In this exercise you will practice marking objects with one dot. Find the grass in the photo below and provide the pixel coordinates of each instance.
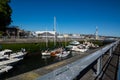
(31, 47)
(34, 47)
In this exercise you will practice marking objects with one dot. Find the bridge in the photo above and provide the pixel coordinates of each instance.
(99, 64)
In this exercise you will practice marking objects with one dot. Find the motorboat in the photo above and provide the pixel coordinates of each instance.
(10, 61)
(2, 57)
(7, 53)
(5, 68)
(3, 52)
(76, 46)
(74, 43)
(17, 55)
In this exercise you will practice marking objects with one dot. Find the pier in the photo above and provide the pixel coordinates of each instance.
(98, 64)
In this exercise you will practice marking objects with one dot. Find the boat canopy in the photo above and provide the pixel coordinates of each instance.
(74, 43)
(5, 51)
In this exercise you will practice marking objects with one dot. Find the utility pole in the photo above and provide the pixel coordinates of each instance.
(96, 33)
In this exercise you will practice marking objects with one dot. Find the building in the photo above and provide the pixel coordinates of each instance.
(44, 34)
(12, 31)
(15, 31)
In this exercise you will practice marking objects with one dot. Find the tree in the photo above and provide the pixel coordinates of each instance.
(5, 14)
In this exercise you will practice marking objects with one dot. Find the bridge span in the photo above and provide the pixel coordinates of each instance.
(92, 65)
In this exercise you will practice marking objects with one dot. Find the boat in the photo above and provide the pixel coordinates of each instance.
(2, 57)
(60, 52)
(7, 53)
(52, 52)
(76, 46)
(3, 52)
(46, 53)
(63, 54)
(56, 51)
(17, 55)
(5, 68)
(10, 61)
(74, 43)
(80, 49)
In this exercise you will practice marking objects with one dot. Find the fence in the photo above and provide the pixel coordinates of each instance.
(70, 71)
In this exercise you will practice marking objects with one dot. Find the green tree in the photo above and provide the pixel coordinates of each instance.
(5, 14)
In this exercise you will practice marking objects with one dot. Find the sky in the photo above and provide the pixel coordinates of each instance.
(72, 16)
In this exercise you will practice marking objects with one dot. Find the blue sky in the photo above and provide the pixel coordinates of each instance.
(73, 16)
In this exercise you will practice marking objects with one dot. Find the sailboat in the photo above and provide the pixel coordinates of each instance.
(48, 52)
(60, 52)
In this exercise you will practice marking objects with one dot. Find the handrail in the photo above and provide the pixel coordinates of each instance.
(70, 71)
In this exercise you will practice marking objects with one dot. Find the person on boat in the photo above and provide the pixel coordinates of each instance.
(9, 54)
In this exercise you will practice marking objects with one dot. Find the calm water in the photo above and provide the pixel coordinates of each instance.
(30, 62)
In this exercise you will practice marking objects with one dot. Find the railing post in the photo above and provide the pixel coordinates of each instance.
(99, 65)
(114, 47)
(110, 52)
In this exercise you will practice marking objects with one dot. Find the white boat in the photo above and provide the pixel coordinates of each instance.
(63, 54)
(46, 53)
(17, 55)
(52, 52)
(56, 51)
(11, 61)
(2, 57)
(3, 52)
(74, 43)
(7, 53)
(5, 69)
(76, 48)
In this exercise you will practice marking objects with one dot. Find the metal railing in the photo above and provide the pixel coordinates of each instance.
(70, 71)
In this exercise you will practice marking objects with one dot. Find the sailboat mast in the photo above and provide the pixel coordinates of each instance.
(55, 31)
(46, 38)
